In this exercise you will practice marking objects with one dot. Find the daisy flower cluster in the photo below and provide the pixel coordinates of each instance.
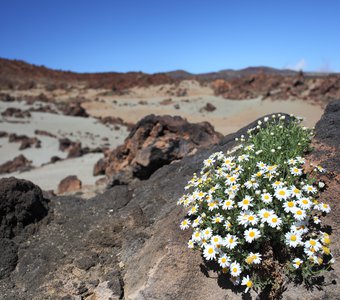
(256, 195)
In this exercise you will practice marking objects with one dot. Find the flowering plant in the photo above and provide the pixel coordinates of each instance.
(255, 212)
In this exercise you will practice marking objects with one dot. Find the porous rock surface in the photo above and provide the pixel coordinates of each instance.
(156, 141)
(126, 243)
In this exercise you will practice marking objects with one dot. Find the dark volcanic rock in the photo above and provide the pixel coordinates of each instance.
(9, 256)
(156, 141)
(21, 203)
(19, 163)
(6, 97)
(3, 134)
(69, 184)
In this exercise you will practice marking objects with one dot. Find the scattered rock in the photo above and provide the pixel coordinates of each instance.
(156, 141)
(69, 184)
(100, 167)
(208, 107)
(16, 113)
(3, 134)
(19, 163)
(6, 97)
(74, 109)
(26, 142)
(44, 133)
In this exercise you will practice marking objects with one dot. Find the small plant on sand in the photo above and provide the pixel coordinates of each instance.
(254, 211)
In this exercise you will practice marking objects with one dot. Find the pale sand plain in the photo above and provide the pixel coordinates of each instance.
(228, 117)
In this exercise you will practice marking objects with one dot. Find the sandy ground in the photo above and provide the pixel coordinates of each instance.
(229, 116)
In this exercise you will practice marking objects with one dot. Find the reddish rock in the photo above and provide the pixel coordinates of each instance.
(156, 141)
(69, 184)
(100, 167)
(74, 109)
(19, 163)
(26, 142)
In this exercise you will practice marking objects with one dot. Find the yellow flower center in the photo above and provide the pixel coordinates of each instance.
(245, 202)
(235, 270)
(299, 212)
(296, 191)
(274, 220)
(298, 262)
(290, 204)
(266, 214)
(211, 251)
(326, 250)
(305, 201)
(282, 193)
(251, 218)
(231, 241)
(249, 284)
(327, 240)
(223, 260)
(293, 238)
(251, 233)
(266, 197)
(312, 242)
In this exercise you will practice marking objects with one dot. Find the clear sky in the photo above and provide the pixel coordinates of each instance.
(160, 35)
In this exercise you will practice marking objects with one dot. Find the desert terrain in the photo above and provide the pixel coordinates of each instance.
(95, 112)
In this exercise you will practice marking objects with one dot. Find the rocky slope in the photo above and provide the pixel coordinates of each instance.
(126, 242)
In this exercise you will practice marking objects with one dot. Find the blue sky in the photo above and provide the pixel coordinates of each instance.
(155, 36)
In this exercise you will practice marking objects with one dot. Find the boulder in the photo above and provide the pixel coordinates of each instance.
(19, 163)
(69, 184)
(15, 113)
(156, 141)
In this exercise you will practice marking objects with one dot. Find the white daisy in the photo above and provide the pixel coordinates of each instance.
(212, 205)
(224, 261)
(243, 157)
(291, 161)
(277, 184)
(265, 214)
(196, 222)
(209, 252)
(253, 258)
(300, 227)
(294, 191)
(216, 240)
(235, 269)
(313, 243)
(299, 214)
(245, 203)
(191, 244)
(309, 189)
(252, 234)
(266, 198)
(293, 239)
(274, 221)
(296, 171)
(196, 236)
(228, 204)
(261, 165)
(217, 219)
(230, 241)
(185, 224)
(247, 282)
(305, 203)
(289, 206)
(251, 184)
(193, 210)
(297, 263)
(282, 193)
(324, 207)
(207, 233)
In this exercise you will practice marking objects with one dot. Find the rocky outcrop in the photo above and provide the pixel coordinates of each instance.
(156, 141)
(74, 109)
(19, 163)
(279, 87)
(126, 243)
(69, 184)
